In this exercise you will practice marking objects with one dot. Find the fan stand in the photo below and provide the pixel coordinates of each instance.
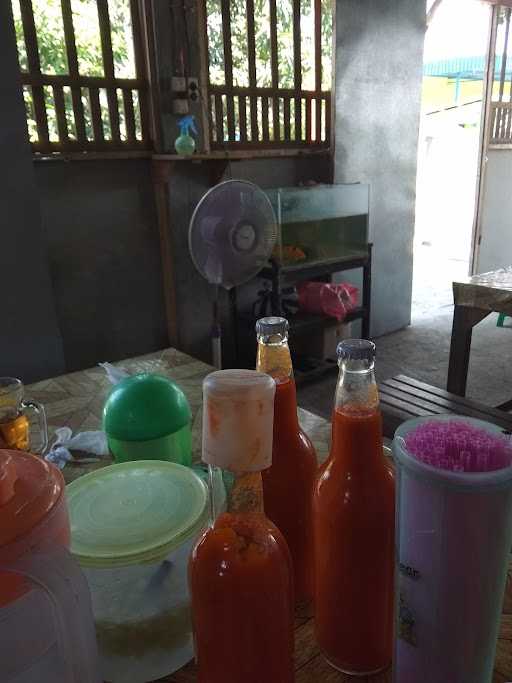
(216, 331)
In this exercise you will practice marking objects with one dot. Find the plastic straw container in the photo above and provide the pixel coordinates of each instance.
(453, 536)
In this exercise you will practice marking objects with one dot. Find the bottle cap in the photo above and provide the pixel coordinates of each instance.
(267, 327)
(360, 351)
(238, 420)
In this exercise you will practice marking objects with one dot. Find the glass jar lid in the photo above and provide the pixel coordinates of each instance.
(134, 513)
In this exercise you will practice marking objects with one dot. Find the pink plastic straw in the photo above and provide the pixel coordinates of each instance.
(457, 446)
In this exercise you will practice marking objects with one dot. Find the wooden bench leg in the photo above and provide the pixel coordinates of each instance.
(367, 295)
(464, 319)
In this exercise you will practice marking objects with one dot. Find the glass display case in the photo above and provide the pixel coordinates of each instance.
(320, 224)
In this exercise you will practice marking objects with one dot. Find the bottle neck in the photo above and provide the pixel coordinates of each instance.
(274, 358)
(356, 391)
(357, 422)
(237, 493)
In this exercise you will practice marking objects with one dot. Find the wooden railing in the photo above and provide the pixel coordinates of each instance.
(92, 113)
(501, 123)
(274, 116)
(247, 117)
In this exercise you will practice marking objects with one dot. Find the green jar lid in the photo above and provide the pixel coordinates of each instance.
(144, 407)
(134, 512)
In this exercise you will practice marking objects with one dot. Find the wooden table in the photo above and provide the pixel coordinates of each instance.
(76, 400)
(474, 298)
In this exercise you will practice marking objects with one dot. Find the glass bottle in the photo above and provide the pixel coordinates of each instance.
(353, 521)
(288, 483)
(240, 570)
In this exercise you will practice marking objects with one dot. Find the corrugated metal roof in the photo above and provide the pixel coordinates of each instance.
(464, 67)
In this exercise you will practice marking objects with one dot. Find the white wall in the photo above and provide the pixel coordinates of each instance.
(496, 221)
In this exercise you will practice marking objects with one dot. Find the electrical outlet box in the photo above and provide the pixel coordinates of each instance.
(180, 107)
(179, 84)
(193, 89)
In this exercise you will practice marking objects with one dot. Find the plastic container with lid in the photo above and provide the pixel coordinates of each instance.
(133, 526)
(147, 417)
(46, 625)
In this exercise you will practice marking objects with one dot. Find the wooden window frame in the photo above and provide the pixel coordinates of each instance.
(272, 101)
(89, 86)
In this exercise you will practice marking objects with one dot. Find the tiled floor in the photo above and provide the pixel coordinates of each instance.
(421, 350)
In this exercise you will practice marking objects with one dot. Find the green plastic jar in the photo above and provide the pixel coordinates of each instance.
(148, 417)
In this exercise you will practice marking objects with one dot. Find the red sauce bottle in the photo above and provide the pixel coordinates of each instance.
(288, 483)
(240, 570)
(353, 512)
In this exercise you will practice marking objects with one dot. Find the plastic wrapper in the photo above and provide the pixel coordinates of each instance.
(334, 300)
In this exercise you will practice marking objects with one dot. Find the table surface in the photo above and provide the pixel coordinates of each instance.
(490, 291)
(76, 401)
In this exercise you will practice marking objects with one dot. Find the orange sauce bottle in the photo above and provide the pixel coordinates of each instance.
(288, 483)
(240, 570)
(353, 512)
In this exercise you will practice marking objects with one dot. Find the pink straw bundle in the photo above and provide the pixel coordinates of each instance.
(459, 447)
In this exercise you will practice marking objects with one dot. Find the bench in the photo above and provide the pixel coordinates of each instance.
(403, 398)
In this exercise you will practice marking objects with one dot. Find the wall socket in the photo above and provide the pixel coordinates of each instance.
(193, 89)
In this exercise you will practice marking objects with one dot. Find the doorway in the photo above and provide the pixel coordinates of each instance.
(448, 151)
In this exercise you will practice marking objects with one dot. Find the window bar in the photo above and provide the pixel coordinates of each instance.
(242, 116)
(274, 68)
(507, 123)
(264, 119)
(297, 67)
(309, 105)
(69, 37)
(504, 56)
(286, 115)
(251, 58)
(493, 122)
(34, 67)
(97, 124)
(499, 114)
(228, 69)
(129, 115)
(60, 112)
(219, 118)
(108, 67)
(327, 114)
(140, 68)
(504, 117)
(318, 69)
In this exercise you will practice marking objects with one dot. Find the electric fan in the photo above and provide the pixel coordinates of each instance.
(231, 236)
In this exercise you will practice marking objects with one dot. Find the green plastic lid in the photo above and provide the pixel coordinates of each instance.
(144, 407)
(134, 513)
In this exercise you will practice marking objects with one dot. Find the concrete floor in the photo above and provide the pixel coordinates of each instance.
(421, 350)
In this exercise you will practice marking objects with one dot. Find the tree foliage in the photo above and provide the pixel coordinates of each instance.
(263, 48)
